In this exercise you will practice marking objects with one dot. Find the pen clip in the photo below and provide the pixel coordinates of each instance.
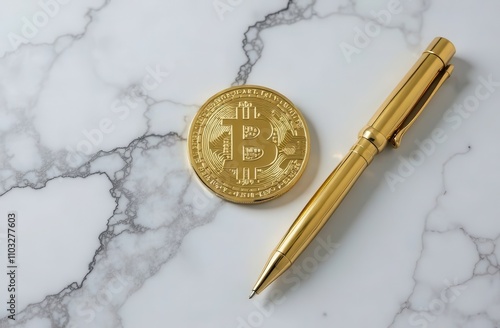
(423, 101)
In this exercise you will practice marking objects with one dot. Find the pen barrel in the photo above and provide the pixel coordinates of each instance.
(392, 120)
(398, 106)
(326, 200)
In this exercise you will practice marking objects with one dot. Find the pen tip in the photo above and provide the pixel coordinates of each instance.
(252, 294)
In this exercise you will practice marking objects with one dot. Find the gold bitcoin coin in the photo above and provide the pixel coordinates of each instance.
(248, 144)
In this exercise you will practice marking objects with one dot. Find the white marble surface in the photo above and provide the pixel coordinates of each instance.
(115, 231)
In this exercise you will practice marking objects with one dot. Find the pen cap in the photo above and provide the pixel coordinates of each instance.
(442, 48)
(406, 102)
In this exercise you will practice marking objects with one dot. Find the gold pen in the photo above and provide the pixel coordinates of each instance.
(389, 124)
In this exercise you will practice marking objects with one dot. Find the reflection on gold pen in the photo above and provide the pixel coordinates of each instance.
(388, 125)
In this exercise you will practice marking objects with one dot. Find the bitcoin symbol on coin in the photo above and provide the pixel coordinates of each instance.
(251, 145)
(248, 144)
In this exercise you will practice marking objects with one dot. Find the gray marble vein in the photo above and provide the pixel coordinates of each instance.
(123, 268)
(148, 174)
(300, 10)
(418, 315)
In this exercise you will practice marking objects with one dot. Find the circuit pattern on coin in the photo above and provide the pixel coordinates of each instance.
(248, 144)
